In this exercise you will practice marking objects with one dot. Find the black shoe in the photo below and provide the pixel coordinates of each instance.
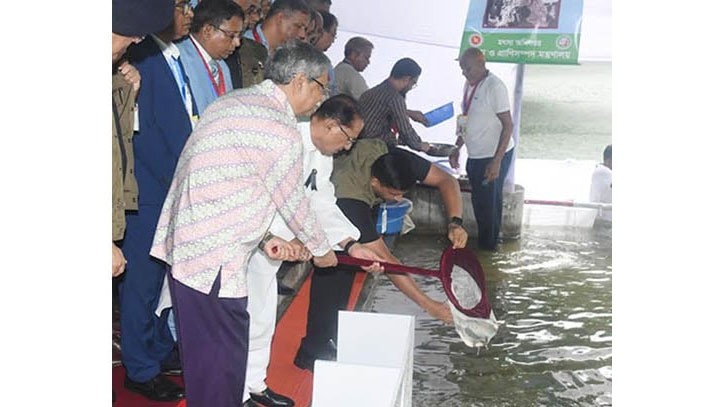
(284, 290)
(305, 360)
(268, 398)
(250, 403)
(158, 389)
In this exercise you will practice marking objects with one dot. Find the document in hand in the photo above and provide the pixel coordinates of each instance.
(440, 114)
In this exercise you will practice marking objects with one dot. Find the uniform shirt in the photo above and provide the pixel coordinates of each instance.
(483, 127)
(242, 163)
(351, 173)
(124, 187)
(351, 176)
(321, 193)
(384, 107)
(349, 81)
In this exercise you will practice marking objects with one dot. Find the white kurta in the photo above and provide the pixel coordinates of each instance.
(262, 271)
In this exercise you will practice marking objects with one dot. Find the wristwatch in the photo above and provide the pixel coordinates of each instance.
(348, 245)
(455, 220)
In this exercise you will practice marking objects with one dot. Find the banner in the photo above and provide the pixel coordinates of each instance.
(525, 31)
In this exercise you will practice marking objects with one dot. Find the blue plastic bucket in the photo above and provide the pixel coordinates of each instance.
(390, 217)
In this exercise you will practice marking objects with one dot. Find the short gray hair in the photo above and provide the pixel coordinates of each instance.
(295, 57)
(357, 44)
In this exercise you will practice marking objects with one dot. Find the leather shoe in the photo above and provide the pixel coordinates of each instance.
(268, 398)
(250, 403)
(158, 389)
(306, 360)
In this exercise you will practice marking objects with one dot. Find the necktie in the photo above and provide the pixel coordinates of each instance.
(215, 70)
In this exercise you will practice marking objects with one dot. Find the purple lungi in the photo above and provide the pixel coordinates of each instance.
(213, 336)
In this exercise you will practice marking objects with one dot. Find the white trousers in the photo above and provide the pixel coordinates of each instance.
(262, 308)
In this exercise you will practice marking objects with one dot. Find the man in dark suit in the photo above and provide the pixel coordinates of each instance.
(166, 113)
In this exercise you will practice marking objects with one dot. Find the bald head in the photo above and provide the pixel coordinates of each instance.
(473, 65)
(473, 54)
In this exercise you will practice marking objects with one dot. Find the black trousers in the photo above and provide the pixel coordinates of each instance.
(329, 292)
(487, 199)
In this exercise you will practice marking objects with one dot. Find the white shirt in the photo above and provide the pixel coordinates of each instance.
(336, 225)
(348, 81)
(209, 60)
(601, 189)
(483, 127)
(171, 54)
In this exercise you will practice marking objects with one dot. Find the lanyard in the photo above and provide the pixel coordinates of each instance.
(219, 89)
(468, 99)
(178, 72)
(180, 80)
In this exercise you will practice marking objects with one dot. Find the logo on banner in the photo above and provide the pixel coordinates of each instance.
(563, 42)
(475, 40)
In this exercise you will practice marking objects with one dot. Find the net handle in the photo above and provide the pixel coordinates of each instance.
(396, 268)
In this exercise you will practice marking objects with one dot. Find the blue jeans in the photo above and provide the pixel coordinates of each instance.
(487, 198)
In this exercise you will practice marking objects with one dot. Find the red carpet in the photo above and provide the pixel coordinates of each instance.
(283, 376)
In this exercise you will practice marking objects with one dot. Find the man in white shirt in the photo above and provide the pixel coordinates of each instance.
(348, 80)
(485, 127)
(601, 189)
(332, 128)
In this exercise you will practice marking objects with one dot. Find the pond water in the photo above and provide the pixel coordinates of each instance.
(553, 290)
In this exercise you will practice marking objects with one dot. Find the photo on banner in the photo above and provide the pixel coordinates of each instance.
(525, 31)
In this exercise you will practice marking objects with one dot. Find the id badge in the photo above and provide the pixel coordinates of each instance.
(461, 125)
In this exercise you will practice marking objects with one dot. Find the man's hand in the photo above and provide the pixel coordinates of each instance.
(441, 311)
(130, 74)
(279, 249)
(418, 116)
(362, 252)
(118, 261)
(453, 158)
(425, 147)
(299, 250)
(327, 260)
(457, 235)
(492, 170)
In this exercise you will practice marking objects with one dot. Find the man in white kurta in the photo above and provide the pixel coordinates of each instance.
(333, 131)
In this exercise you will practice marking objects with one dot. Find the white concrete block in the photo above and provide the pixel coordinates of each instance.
(342, 384)
(374, 364)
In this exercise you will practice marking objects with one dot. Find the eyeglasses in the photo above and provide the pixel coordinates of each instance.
(185, 6)
(325, 89)
(229, 34)
(349, 139)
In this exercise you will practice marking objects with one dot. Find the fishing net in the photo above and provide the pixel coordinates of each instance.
(464, 283)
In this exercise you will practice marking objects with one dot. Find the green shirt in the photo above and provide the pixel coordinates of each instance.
(351, 171)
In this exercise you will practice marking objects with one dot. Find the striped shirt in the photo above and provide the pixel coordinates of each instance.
(383, 109)
(240, 166)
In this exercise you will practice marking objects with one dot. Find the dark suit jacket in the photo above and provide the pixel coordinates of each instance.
(164, 123)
